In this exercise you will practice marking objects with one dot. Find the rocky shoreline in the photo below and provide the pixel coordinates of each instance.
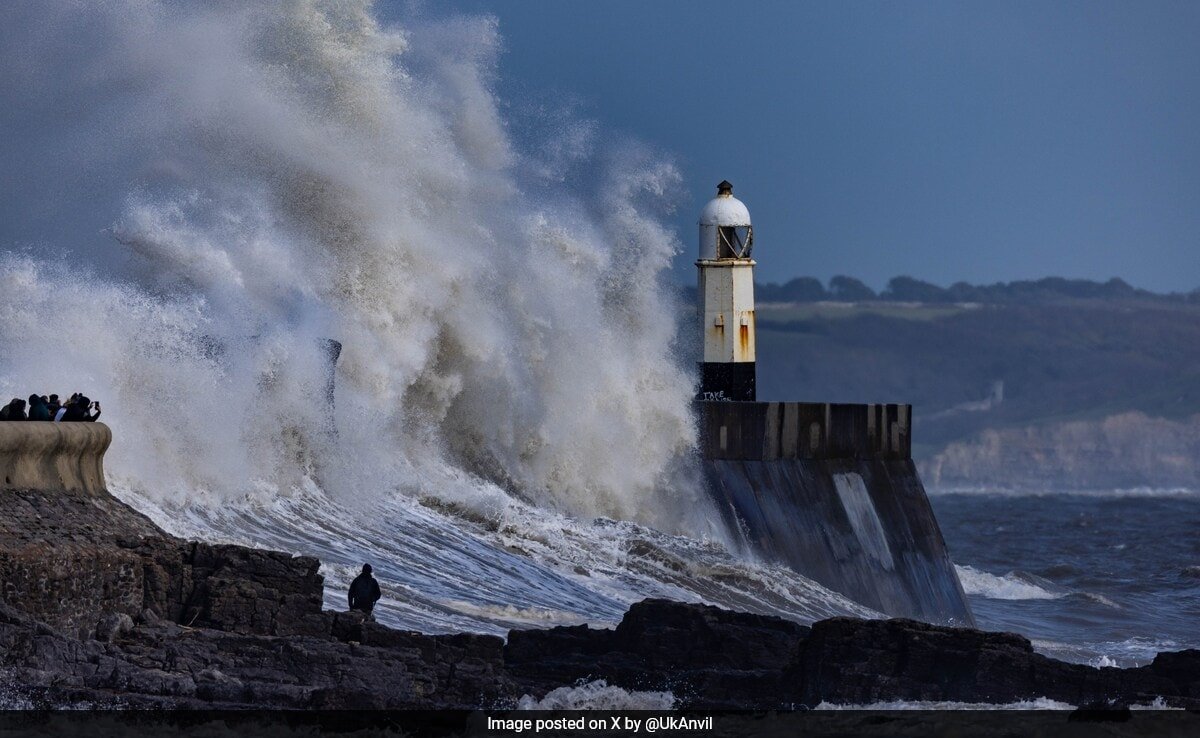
(100, 608)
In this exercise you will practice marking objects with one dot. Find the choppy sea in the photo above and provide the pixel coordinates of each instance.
(1107, 578)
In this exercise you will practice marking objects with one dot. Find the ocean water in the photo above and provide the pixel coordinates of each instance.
(1108, 578)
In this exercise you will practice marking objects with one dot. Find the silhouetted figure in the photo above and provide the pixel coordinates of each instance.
(53, 405)
(364, 591)
(79, 411)
(14, 410)
(38, 409)
(62, 411)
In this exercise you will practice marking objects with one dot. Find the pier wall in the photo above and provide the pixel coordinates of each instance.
(46, 456)
(831, 491)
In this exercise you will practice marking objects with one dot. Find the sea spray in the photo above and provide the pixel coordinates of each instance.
(218, 189)
(297, 171)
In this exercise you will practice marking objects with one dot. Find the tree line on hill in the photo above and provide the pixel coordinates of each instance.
(908, 289)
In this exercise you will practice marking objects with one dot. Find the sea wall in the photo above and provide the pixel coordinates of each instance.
(830, 490)
(53, 456)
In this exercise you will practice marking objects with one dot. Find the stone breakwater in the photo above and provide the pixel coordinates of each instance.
(100, 607)
(830, 490)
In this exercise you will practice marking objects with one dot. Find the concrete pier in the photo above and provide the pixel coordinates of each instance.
(46, 456)
(830, 490)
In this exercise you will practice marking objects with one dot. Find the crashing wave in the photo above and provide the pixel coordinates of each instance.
(1012, 586)
(598, 695)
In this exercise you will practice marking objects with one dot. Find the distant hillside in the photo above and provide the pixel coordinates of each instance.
(908, 289)
(1027, 355)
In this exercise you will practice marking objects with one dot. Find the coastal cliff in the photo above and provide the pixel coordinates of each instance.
(1118, 452)
(101, 608)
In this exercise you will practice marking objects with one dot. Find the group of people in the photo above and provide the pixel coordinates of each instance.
(40, 407)
(364, 590)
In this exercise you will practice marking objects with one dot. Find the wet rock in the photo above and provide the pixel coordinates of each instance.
(707, 656)
(851, 661)
(148, 617)
(112, 625)
(347, 626)
(166, 666)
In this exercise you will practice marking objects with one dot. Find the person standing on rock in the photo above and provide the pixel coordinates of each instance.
(364, 591)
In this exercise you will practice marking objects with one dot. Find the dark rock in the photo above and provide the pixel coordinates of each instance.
(347, 626)
(233, 588)
(673, 635)
(855, 661)
(171, 667)
(149, 617)
(1172, 673)
(707, 656)
(862, 661)
(112, 625)
(711, 658)
(1101, 712)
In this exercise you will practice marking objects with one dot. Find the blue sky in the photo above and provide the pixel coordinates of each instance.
(944, 140)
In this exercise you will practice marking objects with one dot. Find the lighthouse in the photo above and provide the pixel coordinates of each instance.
(727, 298)
(828, 489)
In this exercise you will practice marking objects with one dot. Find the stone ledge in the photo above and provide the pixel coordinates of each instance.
(36, 455)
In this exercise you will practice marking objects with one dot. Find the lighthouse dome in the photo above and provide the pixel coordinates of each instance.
(725, 209)
(725, 230)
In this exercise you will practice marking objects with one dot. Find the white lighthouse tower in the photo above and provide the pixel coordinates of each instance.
(727, 298)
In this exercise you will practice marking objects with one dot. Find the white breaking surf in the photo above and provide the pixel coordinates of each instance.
(598, 695)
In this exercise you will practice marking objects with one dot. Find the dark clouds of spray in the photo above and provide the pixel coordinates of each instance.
(269, 174)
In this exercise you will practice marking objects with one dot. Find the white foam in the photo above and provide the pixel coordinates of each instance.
(598, 695)
(1011, 586)
(1122, 654)
(1158, 703)
(529, 617)
(11, 698)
